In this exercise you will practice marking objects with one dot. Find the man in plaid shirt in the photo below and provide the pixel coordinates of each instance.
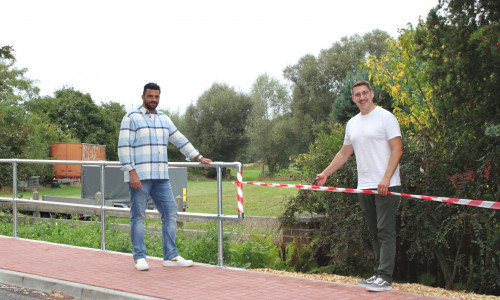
(142, 149)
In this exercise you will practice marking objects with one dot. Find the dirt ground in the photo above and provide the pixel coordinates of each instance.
(403, 287)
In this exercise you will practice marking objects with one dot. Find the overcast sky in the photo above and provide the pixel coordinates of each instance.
(110, 49)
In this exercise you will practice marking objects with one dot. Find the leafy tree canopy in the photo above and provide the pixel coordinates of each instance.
(316, 82)
(216, 124)
(270, 130)
(14, 86)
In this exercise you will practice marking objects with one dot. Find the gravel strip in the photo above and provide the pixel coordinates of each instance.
(403, 287)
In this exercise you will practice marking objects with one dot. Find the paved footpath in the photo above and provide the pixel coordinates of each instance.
(94, 274)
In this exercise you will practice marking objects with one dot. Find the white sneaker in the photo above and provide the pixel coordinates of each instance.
(141, 264)
(178, 262)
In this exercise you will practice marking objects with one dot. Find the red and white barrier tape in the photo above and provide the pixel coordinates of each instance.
(240, 192)
(476, 203)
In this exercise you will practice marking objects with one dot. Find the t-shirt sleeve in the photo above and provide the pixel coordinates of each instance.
(392, 127)
(347, 139)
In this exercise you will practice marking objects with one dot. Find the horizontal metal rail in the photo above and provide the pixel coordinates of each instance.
(103, 208)
(215, 164)
(97, 208)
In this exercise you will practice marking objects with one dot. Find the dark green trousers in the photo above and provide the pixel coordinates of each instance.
(380, 213)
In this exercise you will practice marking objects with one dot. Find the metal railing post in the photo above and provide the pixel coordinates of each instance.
(14, 196)
(103, 212)
(219, 217)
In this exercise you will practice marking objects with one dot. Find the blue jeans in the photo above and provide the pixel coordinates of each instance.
(163, 198)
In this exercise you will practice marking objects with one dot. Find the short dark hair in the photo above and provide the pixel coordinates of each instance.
(151, 86)
(360, 83)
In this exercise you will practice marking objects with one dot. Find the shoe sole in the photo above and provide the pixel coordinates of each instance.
(374, 289)
(177, 265)
(365, 285)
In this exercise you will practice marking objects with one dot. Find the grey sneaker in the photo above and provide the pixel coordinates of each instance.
(379, 285)
(366, 283)
(178, 262)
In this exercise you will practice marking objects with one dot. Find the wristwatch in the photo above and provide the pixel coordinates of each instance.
(200, 157)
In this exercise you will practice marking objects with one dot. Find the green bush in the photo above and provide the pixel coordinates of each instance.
(299, 257)
(256, 252)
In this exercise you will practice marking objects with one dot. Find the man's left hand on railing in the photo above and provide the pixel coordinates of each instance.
(203, 160)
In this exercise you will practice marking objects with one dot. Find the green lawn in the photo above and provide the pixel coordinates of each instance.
(73, 191)
(257, 201)
(202, 195)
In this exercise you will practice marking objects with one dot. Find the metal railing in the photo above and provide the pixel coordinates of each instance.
(103, 208)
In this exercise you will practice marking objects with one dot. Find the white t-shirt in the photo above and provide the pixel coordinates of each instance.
(369, 135)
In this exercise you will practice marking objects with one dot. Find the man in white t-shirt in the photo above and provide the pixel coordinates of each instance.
(375, 138)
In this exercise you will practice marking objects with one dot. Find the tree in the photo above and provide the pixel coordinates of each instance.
(14, 86)
(459, 41)
(270, 102)
(78, 114)
(75, 114)
(216, 124)
(22, 135)
(401, 73)
(112, 113)
(6, 52)
(316, 82)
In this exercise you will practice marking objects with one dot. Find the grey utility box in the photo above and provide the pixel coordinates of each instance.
(117, 190)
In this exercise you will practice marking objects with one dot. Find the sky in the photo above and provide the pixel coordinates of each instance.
(111, 49)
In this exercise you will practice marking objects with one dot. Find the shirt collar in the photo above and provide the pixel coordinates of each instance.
(144, 111)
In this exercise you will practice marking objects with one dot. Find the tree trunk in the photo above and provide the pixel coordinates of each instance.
(448, 277)
(444, 268)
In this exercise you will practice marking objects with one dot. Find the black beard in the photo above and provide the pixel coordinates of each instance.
(149, 107)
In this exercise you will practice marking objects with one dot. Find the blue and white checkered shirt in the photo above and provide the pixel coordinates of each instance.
(142, 144)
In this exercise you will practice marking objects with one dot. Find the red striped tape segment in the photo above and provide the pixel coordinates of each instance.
(476, 203)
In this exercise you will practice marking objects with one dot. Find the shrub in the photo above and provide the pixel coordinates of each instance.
(256, 252)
